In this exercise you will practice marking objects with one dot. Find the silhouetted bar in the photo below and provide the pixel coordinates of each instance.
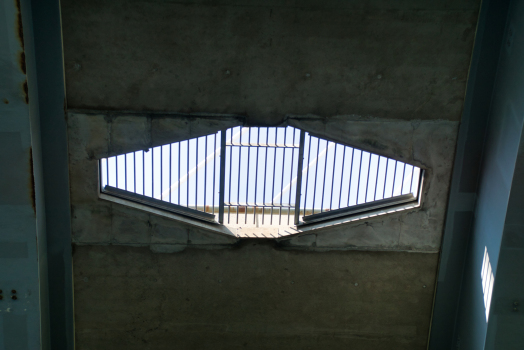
(274, 171)
(394, 177)
(299, 178)
(376, 179)
(351, 173)
(222, 176)
(358, 178)
(342, 176)
(355, 209)
(307, 173)
(324, 181)
(315, 181)
(157, 203)
(367, 182)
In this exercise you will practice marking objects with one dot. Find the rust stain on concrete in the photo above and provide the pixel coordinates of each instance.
(19, 29)
(25, 91)
(21, 62)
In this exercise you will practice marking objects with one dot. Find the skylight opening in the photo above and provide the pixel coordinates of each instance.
(248, 177)
(261, 167)
(488, 280)
(336, 176)
(184, 173)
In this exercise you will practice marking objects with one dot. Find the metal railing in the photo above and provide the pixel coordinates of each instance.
(250, 176)
(338, 176)
(260, 164)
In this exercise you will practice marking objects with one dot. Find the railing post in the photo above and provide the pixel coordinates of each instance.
(299, 177)
(221, 196)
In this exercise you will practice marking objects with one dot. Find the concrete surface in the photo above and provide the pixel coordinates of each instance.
(391, 59)
(251, 297)
(383, 76)
(498, 219)
(24, 314)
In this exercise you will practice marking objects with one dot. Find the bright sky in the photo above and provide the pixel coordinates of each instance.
(333, 175)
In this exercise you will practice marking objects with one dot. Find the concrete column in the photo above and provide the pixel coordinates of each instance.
(24, 318)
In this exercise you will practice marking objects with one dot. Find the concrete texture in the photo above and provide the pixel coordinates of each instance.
(251, 297)
(265, 59)
(24, 314)
(387, 77)
(498, 219)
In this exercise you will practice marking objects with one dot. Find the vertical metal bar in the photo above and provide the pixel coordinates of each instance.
(367, 182)
(358, 177)
(178, 179)
(376, 179)
(333, 177)
(412, 174)
(205, 173)
(385, 179)
(230, 176)
(403, 173)
(256, 176)
(196, 175)
(247, 178)
(282, 179)
(291, 176)
(238, 184)
(170, 170)
(342, 176)
(116, 172)
(214, 168)
(324, 181)
(394, 177)
(143, 174)
(265, 174)
(299, 177)
(273, 183)
(187, 178)
(107, 171)
(134, 172)
(315, 182)
(152, 172)
(125, 171)
(307, 172)
(161, 171)
(101, 174)
(222, 176)
(351, 174)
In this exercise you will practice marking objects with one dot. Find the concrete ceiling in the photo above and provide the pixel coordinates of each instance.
(401, 67)
(393, 59)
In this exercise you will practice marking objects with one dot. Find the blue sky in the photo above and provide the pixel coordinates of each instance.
(333, 174)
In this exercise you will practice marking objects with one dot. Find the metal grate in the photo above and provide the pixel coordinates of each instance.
(337, 176)
(260, 171)
(184, 173)
(249, 176)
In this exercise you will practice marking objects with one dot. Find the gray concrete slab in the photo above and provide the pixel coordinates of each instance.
(253, 296)
(402, 60)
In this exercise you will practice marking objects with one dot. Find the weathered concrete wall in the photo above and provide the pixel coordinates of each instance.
(498, 222)
(251, 297)
(24, 313)
(383, 76)
(428, 144)
(390, 59)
